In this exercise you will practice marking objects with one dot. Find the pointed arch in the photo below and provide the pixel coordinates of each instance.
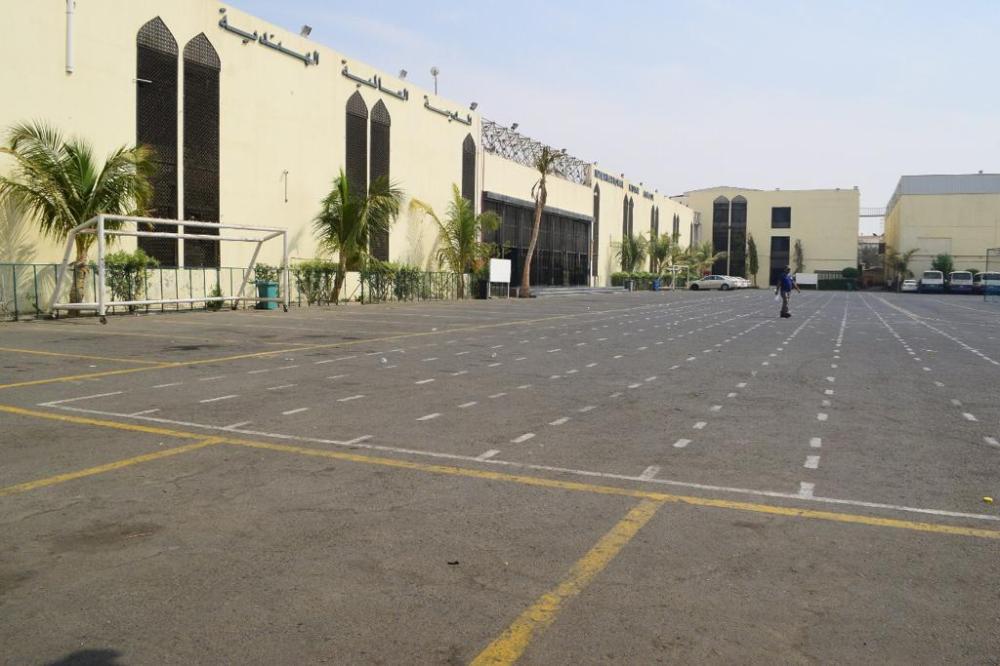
(356, 158)
(625, 216)
(595, 233)
(720, 231)
(156, 126)
(738, 237)
(631, 216)
(201, 147)
(469, 168)
(381, 123)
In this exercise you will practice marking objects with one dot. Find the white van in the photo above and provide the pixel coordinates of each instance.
(986, 283)
(931, 281)
(960, 282)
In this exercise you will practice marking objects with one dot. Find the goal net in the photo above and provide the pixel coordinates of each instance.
(143, 227)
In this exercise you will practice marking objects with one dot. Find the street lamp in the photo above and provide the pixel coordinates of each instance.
(434, 72)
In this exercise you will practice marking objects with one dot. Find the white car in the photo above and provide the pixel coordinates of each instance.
(741, 282)
(909, 285)
(720, 282)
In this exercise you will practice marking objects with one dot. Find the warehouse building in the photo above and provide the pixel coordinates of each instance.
(251, 124)
(823, 224)
(955, 214)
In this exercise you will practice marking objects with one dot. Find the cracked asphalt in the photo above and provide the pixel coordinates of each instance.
(590, 478)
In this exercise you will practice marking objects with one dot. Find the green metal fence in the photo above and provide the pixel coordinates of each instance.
(26, 289)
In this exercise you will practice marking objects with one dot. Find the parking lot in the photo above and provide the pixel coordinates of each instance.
(597, 478)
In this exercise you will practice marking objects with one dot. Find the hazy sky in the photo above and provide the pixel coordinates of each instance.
(687, 94)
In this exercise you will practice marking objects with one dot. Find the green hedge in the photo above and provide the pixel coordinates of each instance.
(838, 284)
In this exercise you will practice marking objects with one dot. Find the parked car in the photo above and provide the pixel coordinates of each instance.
(981, 282)
(909, 285)
(740, 282)
(720, 282)
(960, 282)
(931, 281)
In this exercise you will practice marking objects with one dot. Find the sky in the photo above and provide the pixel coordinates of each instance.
(685, 94)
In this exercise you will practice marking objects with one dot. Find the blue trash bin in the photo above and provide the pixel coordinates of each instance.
(656, 285)
(267, 290)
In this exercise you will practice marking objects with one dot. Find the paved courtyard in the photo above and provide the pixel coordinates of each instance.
(596, 478)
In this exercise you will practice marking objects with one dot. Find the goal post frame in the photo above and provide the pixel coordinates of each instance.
(97, 225)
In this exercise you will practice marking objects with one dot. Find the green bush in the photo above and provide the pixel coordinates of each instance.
(850, 273)
(944, 263)
(618, 278)
(265, 273)
(215, 306)
(127, 275)
(314, 278)
(836, 284)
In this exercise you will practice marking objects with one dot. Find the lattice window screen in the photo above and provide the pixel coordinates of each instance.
(469, 168)
(201, 148)
(380, 134)
(156, 127)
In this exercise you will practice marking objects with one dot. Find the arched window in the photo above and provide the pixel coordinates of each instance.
(631, 215)
(356, 159)
(201, 147)
(625, 216)
(720, 232)
(156, 127)
(469, 168)
(676, 232)
(380, 168)
(738, 237)
(595, 232)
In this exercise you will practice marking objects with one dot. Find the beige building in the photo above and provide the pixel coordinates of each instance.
(824, 223)
(945, 214)
(251, 124)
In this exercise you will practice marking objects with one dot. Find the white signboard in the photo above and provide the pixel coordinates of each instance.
(806, 278)
(500, 270)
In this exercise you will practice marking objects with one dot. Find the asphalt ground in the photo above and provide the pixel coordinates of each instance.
(597, 478)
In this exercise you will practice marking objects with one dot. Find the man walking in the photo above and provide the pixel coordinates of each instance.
(784, 288)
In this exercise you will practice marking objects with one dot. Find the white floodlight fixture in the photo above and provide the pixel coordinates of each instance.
(306, 30)
(403, 73)
(474, 105)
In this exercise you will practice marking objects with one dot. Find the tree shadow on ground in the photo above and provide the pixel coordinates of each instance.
(90, 658)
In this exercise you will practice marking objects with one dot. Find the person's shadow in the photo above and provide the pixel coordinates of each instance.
(89, 658)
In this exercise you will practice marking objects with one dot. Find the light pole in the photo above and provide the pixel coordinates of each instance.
(434, 72)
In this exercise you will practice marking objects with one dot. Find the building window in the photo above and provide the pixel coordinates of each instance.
(720, 232)
(596, 230)
(356, 159)
(156, 127)
(738, 238)
(779, 256)
(201, 148)
(781, 218)
(631, 216)
(625, 217)
(676, 233)
(381, 122)
(469, 168)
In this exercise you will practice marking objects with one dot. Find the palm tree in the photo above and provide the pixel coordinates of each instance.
(347, 221)
(539, 192)
(703, 256)
(900, 262)
(631, 251)
(459, 234)
(60, 183)
(659, 252)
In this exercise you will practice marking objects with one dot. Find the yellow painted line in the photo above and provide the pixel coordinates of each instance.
(80, 377)
(935, 528)
(37, 352)
(109, 467)
(284, 350)
(100, 423)
(510, 645)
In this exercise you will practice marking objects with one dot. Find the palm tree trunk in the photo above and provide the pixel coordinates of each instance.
(78, 288)
(525, 291)
(338, 281)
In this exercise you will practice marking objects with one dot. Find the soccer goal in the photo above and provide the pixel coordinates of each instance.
(137, 226)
